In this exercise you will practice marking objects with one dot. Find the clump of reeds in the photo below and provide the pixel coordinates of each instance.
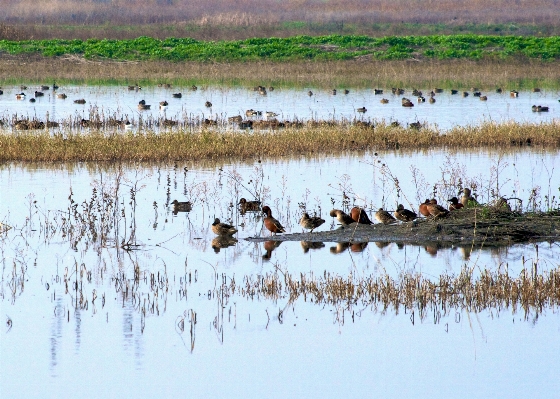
(529, 291)
(209, 143)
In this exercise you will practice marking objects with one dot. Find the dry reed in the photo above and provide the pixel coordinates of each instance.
(205, 143)
(457, 74)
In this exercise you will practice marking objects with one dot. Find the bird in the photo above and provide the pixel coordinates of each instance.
(177, 95)
(310, 223)
(436, 210)
(270, 246)
(182, 206)
(163, 105)
(384, 217)
(80, 101)
(208, 104)
(362, 110)
(455, 204)
(309, 93)
(236, 118)
(423, 208)
(340, 247)
(342, 217)
(20, 96)
(467, 199)
(270, 223)
(143, 106)
(404, 215)
(223, 229)
(249, 206)
(61, 96)
(384, 101)
(251, 112)
(39, 93)
(359, 215)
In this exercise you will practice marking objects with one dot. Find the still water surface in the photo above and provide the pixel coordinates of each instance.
(448, 111)
(255, 347)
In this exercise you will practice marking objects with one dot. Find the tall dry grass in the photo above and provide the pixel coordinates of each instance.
(361, 73)
(204, 143)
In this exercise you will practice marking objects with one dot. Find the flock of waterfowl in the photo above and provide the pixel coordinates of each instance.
(252, 118)
(429, 209)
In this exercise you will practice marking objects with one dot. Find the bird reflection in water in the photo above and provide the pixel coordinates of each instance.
(270, 246)
(307, 245)
(358, 246)
(432, 249)
(340, 247)
(220, 242)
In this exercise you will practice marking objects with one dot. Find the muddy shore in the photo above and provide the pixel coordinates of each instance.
(478, 226)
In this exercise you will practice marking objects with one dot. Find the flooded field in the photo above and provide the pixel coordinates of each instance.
(106, 291)
(284, 104)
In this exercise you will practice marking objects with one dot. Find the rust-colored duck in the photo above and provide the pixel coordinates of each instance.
(270, 223)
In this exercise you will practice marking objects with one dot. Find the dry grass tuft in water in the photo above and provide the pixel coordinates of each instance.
(206, 143)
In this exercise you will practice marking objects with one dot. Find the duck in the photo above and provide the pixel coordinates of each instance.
(384, 217)
(45, 87)
(177, 95)
(455, 204)
(346, 91)
(454, 91)
(333, 92)
(421, 99)
(32, 100)
(62, 96)
(270, 88)
(423, 208)
(80, 101)
(39, 93)
(536, 90)
(169, 122)
(436, 210)
(236, 118)
(501, 204)
(251, 112)
(483, 98)
(377, 91)
(20, 96)
(361, 110)
(91, 124)
(437, 90)
(384, 101)
(127, 125)
(514, 94)
(135, 87)
(208, 104)
(223, 229)
(143, 106)
(359, 215)
(270, 223)
(431, 100)
(405, 102)
(499, 90)
(539, 108)
(342, 217)
(163, 105)
(404, 215)
(309, 93)
(183, 206)
(249, 206)
(477, 94)
(194, 88)
(467, 199)
(271, 114)
(310, 223)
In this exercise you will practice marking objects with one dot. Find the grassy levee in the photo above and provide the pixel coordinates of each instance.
(43, 146)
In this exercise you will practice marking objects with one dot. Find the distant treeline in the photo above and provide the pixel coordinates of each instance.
(332, 47)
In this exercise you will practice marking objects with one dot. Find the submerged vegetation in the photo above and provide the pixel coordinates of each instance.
(321, 48)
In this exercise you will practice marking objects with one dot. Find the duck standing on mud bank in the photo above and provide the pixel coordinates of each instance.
(310, 223)
(270, 223)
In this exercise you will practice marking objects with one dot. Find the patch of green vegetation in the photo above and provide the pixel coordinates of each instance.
(331, 47)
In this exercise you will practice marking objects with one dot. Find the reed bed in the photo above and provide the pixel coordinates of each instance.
(212, 143)
(360, 73)
(529, 291)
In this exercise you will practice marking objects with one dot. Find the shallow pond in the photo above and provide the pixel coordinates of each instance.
(107, 101)
(83, 315)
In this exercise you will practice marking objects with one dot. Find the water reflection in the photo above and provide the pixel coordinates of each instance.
(220, 242)
(307, 245)
(269, 247)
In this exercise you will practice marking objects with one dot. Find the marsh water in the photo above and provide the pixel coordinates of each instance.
(107, 292)
(289, 104)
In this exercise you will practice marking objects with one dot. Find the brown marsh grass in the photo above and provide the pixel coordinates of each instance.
(472, 290)
(206, 143)
(222, 18)
(457, 74)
